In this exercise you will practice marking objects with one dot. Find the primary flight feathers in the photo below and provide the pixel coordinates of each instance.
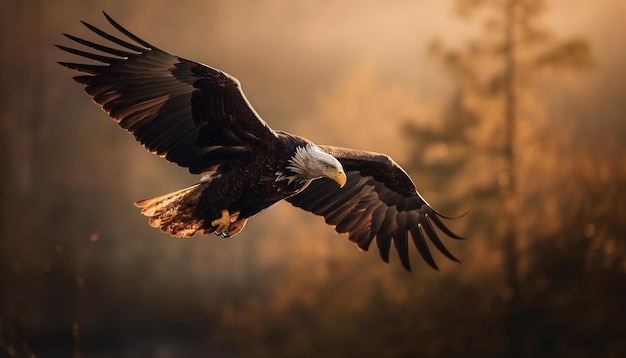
(198, 117)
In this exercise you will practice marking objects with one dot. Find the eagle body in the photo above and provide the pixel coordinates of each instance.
(199, 118)
(268, 180)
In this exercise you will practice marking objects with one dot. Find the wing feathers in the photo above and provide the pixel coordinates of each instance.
(435, 218)
(400, 240)
(144, 109)
(126, 32)
(113, 38)
(378, 201)
(91, 69)
(377, 221)
(102, 48)
(422, 246)
(93, 56)
(434, 238)
(383, 238)
(175, 107)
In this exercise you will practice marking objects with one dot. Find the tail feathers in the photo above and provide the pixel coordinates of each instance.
(173, 213)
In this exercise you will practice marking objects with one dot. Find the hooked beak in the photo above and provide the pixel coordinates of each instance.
(341, 178)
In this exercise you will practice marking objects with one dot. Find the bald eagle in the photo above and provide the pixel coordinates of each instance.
(198, 117)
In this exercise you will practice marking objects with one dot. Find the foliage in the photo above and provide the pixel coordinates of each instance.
(553, 192)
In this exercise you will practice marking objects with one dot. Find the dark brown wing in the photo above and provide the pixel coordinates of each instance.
(189, 113)
(378, 201)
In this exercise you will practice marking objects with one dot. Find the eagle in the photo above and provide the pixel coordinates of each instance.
(199, 118)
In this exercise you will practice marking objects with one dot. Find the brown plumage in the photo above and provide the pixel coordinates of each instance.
(198, 117)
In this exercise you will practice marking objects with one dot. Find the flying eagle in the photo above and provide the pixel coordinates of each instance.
(198, 117)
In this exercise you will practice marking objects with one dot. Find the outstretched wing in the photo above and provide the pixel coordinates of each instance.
(378, 201)
(189, 113)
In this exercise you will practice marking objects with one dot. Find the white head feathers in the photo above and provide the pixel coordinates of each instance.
(310, 162)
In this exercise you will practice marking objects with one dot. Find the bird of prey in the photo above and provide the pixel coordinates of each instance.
(199, 118)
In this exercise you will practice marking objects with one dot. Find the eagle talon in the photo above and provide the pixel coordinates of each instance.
(221, 225)
(229, 224)
(236, 227)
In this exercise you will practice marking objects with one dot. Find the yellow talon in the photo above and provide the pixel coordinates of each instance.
(221, 224)
(229, 224)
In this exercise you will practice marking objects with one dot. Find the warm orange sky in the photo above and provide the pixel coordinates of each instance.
(285, 53)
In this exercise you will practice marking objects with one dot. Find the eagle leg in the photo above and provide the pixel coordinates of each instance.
(225, 222)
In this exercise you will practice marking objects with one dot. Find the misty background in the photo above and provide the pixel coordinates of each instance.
(511, 110)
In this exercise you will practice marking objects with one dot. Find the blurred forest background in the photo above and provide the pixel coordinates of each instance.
(512, 110)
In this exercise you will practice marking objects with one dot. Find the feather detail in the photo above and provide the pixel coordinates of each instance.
(173, 213)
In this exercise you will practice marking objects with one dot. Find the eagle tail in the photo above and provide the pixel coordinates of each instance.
(173, 213)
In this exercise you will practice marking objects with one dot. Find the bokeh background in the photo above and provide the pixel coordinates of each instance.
(512, 110)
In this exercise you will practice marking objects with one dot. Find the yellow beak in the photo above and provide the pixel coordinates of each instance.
(341, 178)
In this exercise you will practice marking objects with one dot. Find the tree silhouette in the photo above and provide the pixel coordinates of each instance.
(487, 124)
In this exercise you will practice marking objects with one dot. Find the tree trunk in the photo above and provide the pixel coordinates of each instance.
(514, 321)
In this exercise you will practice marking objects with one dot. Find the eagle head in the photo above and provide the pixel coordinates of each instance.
(310, 162)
